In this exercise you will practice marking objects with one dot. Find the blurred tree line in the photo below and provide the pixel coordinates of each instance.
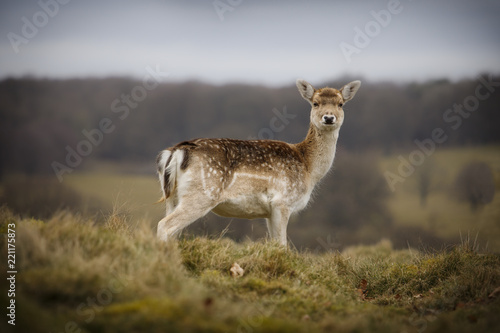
(42, 120)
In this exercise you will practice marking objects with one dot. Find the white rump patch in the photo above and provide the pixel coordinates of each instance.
(164, 155)
(174, 167)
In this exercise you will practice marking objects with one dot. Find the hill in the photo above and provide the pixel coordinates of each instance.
(74, 275)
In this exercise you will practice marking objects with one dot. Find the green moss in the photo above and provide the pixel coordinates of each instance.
(262, 287)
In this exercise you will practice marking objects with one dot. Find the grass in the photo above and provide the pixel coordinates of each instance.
(78, 276)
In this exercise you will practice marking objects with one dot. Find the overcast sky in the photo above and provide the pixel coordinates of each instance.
(255, 41)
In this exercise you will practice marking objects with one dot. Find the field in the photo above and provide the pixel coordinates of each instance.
(134, 194)
(442, 215)
(77, 276)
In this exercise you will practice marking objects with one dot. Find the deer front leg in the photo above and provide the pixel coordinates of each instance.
(278, 222)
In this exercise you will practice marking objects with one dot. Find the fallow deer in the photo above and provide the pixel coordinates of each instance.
(252, 179)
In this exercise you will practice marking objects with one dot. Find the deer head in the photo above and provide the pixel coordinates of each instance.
(326, 103)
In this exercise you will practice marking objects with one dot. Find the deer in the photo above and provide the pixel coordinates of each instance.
(252, 179)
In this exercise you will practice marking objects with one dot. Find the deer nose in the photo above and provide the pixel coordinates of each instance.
(329, 120)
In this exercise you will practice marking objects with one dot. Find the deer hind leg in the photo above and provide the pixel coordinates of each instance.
(278, 222)
(188, 210)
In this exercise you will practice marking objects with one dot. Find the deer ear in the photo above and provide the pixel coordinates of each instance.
(305, 89)
(349, 90)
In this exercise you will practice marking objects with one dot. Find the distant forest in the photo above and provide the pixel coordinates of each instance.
(41, 120)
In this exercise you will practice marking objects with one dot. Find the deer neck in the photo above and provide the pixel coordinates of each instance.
(318, 150)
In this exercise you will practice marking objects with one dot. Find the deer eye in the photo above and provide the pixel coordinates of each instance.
(341, 104)
(315, 104)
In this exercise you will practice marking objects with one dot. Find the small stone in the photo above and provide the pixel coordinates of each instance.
(236, 271)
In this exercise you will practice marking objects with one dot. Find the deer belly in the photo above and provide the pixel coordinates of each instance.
(245, 206)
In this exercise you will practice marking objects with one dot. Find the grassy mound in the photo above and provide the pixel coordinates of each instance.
(76, 276)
